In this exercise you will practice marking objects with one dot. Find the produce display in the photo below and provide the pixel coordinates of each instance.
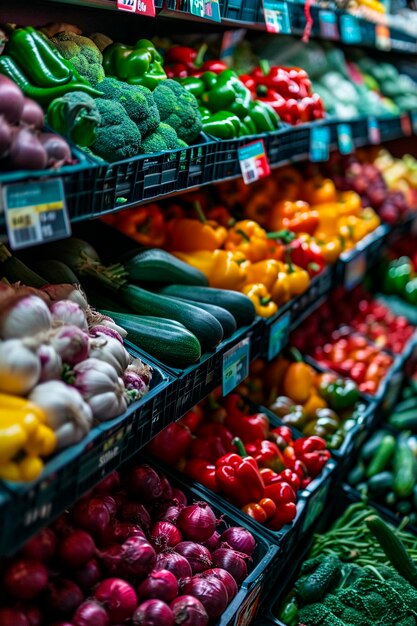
(235, 451)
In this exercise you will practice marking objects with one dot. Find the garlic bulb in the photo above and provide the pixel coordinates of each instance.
(26, 317)
(66, 292)
(68, 312)
(71, 343)
(20, 367)
(51, 363)
(96, 319)
(99, 384)
(62, 404)
(68, 434)
(111, 351)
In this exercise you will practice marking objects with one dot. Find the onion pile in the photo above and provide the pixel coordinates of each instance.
(114, 559)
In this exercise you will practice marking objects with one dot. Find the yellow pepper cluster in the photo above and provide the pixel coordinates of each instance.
(24, 439)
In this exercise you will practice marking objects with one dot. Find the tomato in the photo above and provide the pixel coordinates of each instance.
(356, 342)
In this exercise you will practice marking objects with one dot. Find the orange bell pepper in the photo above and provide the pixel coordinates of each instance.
(265, 272)
(191, 235)
(249, 238)
(144, 224)
(319, 190)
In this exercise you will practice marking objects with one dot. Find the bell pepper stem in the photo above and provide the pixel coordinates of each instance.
(291, 269)
(200, 55)
(265, 67)
(284, 235)
(313, 267)
(200, 213)
(243, 234)
(265, 301)
(212, 402)
(240, 447)
(296, 355)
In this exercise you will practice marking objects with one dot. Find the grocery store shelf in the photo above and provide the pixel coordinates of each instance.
(93, 189)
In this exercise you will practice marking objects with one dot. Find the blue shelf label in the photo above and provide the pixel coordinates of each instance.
(277, 17)
(35, 212)
(350, 29)
(253, 161)
(328, 25)
(235, 365)
(278, 335)
(355, 271)
(344, 139)
(206, 9)
(374, 132)
(319, 143)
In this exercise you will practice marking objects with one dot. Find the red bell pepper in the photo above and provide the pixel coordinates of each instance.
(171, 443)
(202, 472)
(187, 57)
(238, 477)
(212, 441)
(267, 454)
(192, 419)
(307, 255)
(284, 432)
(280, 493)
(312, 452)
(290, 477)
(285, 515)
(249, 428)
(261, 511)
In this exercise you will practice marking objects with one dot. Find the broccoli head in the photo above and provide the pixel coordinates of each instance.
(178, 108)
(164, 138)
(117, 136)
(83, 53)
(137, 101)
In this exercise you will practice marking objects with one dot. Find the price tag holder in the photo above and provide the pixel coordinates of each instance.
(206, 9)
(344, 139)
(278, 335)
(319, 143)
(374, 132)
(249, 608)
(382, 37)
(350, 29)
(253, 161)
(328, 25)
(355, 271)
(277, 17)
(127, 5)
(406, 125)
(35, 212)
(235, 365)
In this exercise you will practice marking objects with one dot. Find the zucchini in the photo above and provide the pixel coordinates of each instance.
(16, 271)
(100, 300)
(165, 340)
(158, 266)
(382, 456)
(371, 446)
(356, 474)
(393, 548)
(56, 272)
(405, 468)
(202, 324)
(380, 484)
(236, 303)
(226, 319)
(406, 405)
(404, 421)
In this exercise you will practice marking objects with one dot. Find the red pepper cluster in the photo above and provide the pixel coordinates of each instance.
(306, 254)
(287, 90)
(236, 454)
(183, 61)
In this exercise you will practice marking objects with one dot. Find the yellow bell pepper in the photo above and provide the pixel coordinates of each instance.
(42, 442)
(331, 249)
(318, 191)
(12, 438)
(248, 238)
(8, 401)
(298, 382)
(10, 471)
(265, 272)
(224, 269)
(352, 227)
(313, 403)
(280, 292)
(30, 468)
(298, 279)
(261, 298)
(371, 219)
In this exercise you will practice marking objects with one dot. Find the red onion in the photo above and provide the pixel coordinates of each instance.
(197, 522)
(239, 539)
(120, 531)
(109, 484)
(143, 483)
(188, 611)
(166, 488)
(25, 579)
(179, 496)
(232, 561)
(6, 136)
(11, 100)
(33, 615)
(61, 624)
(57, 149)
(226, 578)
(212, 542)
(211, 592)
(165, 535)
(160, 584)
(88, 575)
(197, 555)
(27, 152)
(135, 513)
(153, 613)
(12, 617)
(173, 562)
(41, 547)
(77, 548)
(62, 526)
(32, 114)
(90, 613)
(92, 514)
(172, 512)
(135, 557)
(118, 598)
(64, 597)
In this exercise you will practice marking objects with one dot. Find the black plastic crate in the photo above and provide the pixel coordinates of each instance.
(352, 264)
(288, 144)
(390, 128)
(241, 11)
(4, 503)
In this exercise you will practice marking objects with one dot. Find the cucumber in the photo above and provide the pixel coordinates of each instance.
(56, 272)
(405, 468)
(169, 342)
(356, 474)
(158, 266)
(380, 484)
(382, 456)
(393, 548)
(406, 405)
(236, 303)
(371, 446)
(225, 318)
(404, 421)
(202, 324)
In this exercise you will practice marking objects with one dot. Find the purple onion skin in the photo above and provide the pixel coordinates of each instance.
(188, 611)
(153, 613)
(239, 539)
(11, 100)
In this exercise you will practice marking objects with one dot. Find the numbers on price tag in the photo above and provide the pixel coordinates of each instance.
(146, 7)
(319, 143)
(374, 132)
(127, 5)
(278, 335)
(344, 139)
(355, 271)
(350, 29)
(235, 365)
(382, 37)
(277, 17)
(328, 25)
(253, 161)
(35, 212)
(207, 9)
(406, 125)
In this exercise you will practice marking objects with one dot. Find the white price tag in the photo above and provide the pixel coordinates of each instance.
(235, 365)
(253, 161)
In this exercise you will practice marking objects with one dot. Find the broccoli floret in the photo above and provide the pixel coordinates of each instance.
(137, 101)
(83, 53)
(117, 136)
(164, 138)
(178, 108)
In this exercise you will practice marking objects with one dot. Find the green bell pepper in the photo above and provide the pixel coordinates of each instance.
(410, 291)
(222, 125)
(397, 275)
(339, 394)
(227, 94)
(75, 116)
(193, 84)
(140, 64)
(264, 117)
